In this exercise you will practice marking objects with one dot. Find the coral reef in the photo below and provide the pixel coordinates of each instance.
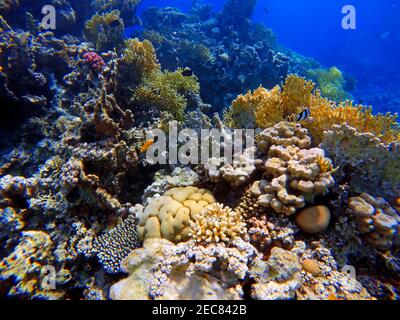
(198, 40)
(106, 31)
(85, 214)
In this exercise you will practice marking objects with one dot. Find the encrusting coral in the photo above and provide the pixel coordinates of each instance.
(27, 266)
(369, 164)
(168, 217)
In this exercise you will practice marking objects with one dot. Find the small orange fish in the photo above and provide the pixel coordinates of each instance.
(146, 145)
(397, 202)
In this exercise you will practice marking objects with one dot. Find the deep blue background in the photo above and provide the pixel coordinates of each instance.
(371, 53)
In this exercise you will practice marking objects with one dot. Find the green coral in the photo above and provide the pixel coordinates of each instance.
(104, 32)
(167, 91)
(330, 82)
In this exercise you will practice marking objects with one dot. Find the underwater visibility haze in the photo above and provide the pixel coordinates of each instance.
(197, 150)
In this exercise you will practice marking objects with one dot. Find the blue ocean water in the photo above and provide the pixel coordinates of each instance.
(313, 28)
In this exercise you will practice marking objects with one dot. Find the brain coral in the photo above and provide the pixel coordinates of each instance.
(168, 217)
(217, 223)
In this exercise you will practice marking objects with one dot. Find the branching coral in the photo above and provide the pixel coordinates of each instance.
(140, 57)
(115, 245)
(167, 90)
(261, 108)
(267, 107)
(106, 31)
(217, 223)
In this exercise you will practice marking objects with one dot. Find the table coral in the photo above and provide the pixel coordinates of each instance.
(169, 216)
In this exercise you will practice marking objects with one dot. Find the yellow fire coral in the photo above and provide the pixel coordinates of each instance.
(141, 57)
(166, 90)
(217, 223)
(168, 217)
(263, 108)
(325, 114)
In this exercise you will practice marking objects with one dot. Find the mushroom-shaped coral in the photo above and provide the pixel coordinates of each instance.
(168, 217)
(217, 223)
(314, 219)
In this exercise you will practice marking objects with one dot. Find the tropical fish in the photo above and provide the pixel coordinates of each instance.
(187, 72)
(146, 145)
(303, 115)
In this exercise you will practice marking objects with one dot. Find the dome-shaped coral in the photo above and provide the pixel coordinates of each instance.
(168, 217)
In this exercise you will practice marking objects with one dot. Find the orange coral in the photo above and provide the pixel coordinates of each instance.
(264, 108)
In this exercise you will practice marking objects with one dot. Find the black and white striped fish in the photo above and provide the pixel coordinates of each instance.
(303, 115)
